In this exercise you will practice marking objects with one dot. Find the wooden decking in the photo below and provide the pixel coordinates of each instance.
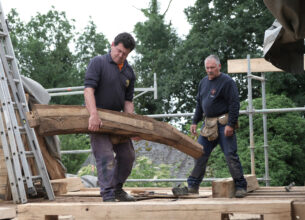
(268, 203)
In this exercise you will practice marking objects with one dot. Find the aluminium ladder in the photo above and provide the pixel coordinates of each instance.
(13, 110)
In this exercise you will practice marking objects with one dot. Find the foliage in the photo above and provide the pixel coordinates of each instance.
(290, 85)
(87, 170)
(145, 169)
(156, 43)
(43, 48)
(231, 29)
(73, 162)
(285, 145)
(89, 44)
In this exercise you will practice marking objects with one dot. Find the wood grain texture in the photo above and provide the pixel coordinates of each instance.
(225, 188)
(64, 119)
(256, 64)
(178, 210)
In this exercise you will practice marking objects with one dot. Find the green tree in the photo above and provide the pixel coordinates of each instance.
(89, 44)
(145, 169)
(290, 85)
(43, 48)
(73, 162)
(285, 139)
(231, 29)
(156, 43)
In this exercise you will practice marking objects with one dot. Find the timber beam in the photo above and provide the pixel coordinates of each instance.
(7, 213)
(68, 119)
(178, 210)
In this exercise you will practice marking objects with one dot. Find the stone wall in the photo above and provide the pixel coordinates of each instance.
(162, 154)
(181, 163)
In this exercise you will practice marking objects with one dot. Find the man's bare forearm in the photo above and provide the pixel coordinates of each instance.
(129, 107)
(90, 100)
(94, 121)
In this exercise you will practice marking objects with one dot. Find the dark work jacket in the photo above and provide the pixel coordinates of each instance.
(112, 86)
(217, 97)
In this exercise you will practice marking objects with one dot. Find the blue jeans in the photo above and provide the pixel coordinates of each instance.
(229, 148)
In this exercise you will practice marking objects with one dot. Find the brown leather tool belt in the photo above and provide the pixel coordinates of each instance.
(210, 129)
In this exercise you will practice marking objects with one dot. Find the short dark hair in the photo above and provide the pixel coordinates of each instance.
(126, 39)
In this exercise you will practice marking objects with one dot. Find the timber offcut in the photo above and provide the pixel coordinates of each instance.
(69, 119)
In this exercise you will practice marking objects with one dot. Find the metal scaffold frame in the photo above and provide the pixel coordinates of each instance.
(75, 90)
(251, 111)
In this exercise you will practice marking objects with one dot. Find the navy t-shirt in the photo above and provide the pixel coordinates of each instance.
(217, 97)
(112, 86)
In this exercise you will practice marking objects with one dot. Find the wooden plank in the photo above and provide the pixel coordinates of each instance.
(4, 179)
(281, 189)
(7, 213)
(298, 210)
(141, 194)
(253, 196)
(178, 210)
(237, 216)
(72, 183)
(257, 65)
(61, 119)
(278, 193)
(3, 170)
(59, 188)
(54, 168)
(225, 188)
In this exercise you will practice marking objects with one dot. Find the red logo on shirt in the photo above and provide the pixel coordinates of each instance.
(213, 91)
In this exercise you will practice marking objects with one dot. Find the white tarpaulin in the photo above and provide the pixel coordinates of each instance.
(284, 40)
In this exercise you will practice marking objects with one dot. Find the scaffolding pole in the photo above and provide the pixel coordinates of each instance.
(250, 109)
(79, 90)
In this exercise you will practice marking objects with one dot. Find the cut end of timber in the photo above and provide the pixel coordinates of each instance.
(71, 184)
(225, 188)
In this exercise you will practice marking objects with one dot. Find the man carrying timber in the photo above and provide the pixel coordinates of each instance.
(109, 84)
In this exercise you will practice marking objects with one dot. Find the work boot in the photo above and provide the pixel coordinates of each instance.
(193, 190)
(240, 193)
(123, 196)
(109, 200)
(180, 191)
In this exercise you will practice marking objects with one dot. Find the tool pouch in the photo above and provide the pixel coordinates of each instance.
(210, 129)
(223, 120)
(117, 139)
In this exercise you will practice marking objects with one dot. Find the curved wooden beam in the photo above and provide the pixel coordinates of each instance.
(68, 119)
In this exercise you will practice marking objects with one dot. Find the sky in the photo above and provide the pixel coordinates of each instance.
(110, 16)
